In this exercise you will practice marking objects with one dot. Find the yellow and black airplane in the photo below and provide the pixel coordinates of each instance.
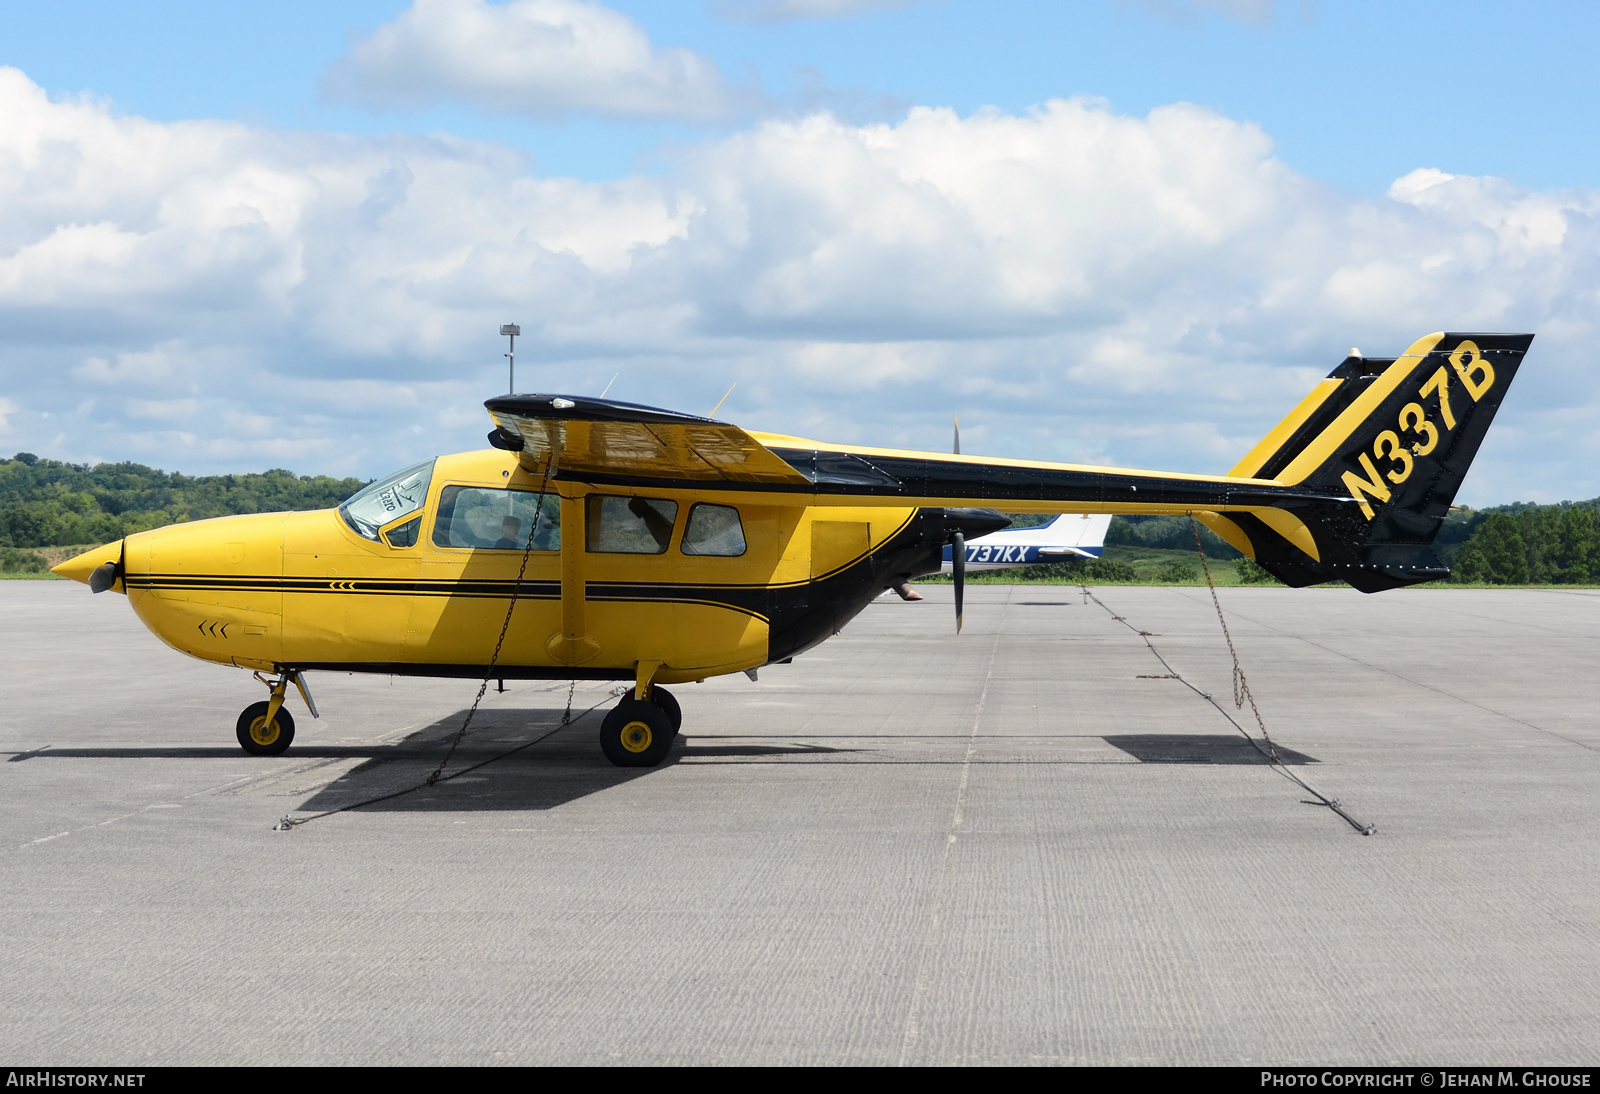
(603, 540)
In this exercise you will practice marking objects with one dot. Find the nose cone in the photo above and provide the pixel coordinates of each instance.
(84, 567)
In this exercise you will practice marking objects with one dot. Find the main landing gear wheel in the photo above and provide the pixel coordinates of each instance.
(636, 734)
(662, 698)
(259, 737)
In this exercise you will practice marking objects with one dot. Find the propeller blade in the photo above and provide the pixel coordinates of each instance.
(955, 448)
(958, 571)
(104, 576)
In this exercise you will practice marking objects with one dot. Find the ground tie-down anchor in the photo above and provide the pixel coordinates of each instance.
(1364, 829)
(283, 825)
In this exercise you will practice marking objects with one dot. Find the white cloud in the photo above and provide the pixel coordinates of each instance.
(537, 57)
(782, 11)
(7, 408)
(151, 367)
(1148, 290)
(994, 223)
(163, 410)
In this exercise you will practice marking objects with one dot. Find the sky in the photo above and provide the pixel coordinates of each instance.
(1129, 232)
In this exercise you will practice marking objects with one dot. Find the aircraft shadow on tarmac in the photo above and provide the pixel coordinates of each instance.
(1195, 748)
(563, 766)
(527, 763)
(192, 752)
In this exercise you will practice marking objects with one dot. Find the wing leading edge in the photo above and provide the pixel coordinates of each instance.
(603, 442)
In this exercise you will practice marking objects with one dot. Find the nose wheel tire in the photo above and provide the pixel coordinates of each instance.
(636, 734)
(259, 737)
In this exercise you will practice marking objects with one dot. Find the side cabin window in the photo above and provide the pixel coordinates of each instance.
(387, 500)
(713, 530)
(404, 535)
(489, 518)
(628, 526)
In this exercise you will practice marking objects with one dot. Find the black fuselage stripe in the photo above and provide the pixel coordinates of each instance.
(616, 592)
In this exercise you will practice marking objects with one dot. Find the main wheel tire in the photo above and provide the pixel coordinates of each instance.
(259, 738)
(662, 698)
(636, 734)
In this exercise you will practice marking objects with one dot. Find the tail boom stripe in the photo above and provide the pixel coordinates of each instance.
(1291, 528)
(1268, 445)
(1230, 532)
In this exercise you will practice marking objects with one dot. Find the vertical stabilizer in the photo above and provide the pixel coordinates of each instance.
(1394, 435)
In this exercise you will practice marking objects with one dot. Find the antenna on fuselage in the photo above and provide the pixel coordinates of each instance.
(722, 400)
(511, 330)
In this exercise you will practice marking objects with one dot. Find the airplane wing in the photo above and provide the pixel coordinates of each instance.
(604, 441)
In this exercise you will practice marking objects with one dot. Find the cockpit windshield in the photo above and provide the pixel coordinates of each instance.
(387, 500)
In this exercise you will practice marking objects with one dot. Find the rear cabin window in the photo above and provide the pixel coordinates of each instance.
(484, 518)
(387, 500)
(628, 526)
(713, 530)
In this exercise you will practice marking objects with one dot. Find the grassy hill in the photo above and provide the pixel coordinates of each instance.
(51, 510)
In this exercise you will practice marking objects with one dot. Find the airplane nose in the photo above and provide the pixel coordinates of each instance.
(100, 569)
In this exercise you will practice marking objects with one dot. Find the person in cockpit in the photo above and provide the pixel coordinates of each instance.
(510, 535)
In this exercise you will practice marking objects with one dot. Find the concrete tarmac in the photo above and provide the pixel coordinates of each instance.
(1024, 844)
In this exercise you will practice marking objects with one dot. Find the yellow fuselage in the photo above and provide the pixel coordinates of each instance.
(304, 589)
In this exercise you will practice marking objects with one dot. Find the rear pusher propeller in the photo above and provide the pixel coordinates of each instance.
(953, 526)
(958, 571)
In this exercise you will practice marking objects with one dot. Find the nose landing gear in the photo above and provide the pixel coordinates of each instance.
(265, 728)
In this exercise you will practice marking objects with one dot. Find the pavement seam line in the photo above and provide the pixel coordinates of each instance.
(1419, 683)
(1448, 695)
(1271, 752)
(253, 780)
(910, 1032)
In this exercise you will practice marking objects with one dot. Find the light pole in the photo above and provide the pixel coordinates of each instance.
(511, 330)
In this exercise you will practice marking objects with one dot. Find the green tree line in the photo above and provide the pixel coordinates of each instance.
(1166, 533)
(1523, 543)
(45, 503)
(1528, 544)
